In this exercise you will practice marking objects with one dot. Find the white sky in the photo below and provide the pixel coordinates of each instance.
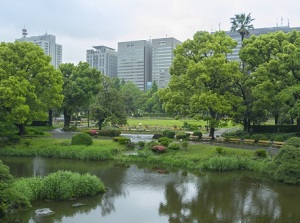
(80, 24)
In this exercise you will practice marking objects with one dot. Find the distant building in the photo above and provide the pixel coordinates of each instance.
(135, 62)
(104, 59)
(162, 57)
(257, 31)
(48, 43)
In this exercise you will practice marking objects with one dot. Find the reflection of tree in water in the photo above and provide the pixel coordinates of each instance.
(220, 199)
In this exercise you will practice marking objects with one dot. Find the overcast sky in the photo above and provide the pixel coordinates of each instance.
(80, 24)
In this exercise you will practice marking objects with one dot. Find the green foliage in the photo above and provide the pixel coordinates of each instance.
(287, 165)
(261, 153)
(82, 139)
(219, 150)
(141, 144)
(14, 199)
(294, 141)
(257, 137)
(4, 174)
(29, 86)
(185, 145)
(189, 126)
(168, 133)
(122, 140)
(109, 132)
(197, 133)
(278, 138)
(159, 149)
(60, 185)
(157, 135)
(181, 135)
(165, 141)
(174, 146)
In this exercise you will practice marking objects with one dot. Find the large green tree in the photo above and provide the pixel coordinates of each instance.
(81, 83)
(132, 96)
(202, 79)
(109, 105)
(29, 85)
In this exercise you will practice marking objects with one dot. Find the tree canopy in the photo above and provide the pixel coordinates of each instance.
(241, 23)
(202, 79)
(29, 85)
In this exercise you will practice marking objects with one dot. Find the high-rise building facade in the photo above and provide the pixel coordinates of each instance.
(48, 43)
(257, 31)
(162, 57)
(104, 59)
(135, 62)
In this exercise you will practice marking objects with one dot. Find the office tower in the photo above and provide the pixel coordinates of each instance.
(162, 57)
(104, 59)
(256, 31)
(135, 62)
(48, 43)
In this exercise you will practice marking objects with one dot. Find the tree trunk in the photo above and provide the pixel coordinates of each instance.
(67, 120)
(50, 119)
(276, 117)
(212, 133)
(22, 130)
(245, 124)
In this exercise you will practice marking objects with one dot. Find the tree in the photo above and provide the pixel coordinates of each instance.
(81, 83)
(109, 105)
(29, 86)
(202, 79)
(131, 95)
(241, 24)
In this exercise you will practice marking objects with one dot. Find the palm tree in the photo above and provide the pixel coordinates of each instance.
(241, 24)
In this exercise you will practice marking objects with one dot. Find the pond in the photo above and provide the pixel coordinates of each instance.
(141, 193)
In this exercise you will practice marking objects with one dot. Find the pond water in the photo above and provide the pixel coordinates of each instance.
(145, 194)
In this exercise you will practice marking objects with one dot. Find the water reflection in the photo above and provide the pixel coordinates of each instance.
(147, 194)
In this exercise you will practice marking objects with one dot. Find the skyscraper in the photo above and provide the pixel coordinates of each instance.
(104, 59)
(135, 62)
(162, 57)
(48, 43)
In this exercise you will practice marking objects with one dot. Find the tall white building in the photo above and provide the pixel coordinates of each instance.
(104, 59)
(162, 57)
(257, 31)
(48, 43)
(135, 62)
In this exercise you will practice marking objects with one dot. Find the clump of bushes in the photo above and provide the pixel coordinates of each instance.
(165, 141)
(258, 137)
(174, 146)
(169, 134)
(294, 141)
(109, 132)
(159, 149)
(182, 135)
(141, 144)
(122, 140)
(82, 139)
(278, 138)
(197, 133)
(157, 135)
(261, 153)
(92, 132)
(219, 150)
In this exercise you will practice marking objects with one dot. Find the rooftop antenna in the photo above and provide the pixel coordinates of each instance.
(288, 23)
(24, 32)
(219, 26)
(281, 21)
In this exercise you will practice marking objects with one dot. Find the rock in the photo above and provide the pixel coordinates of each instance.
(43, 212)
(78, 205)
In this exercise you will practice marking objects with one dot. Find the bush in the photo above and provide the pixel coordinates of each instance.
(174, 146)
(164, 141)
(157, 135)
(91, 132)
(261, 153)
(122, 140)
(150, 144)
(278, 138)
(13, 139)
(257, 137)
(185, 145)
(159, 149)
(109, 132)
(169, 134)
(197, 133)
(294, 141)
(181, 135)
(219, 150)
(70, 128)
(141, 144)
(82, 139)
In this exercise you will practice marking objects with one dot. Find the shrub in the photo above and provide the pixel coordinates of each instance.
(109, 132)
(169, 134)
(181, 135)
(185, 145)
(122, 140)
(157, 135)
(257, 137)
(159, 149)
(141, 144)
(82, 139)
(197, 133)
(70, 128)
(13, 139)
(150, 144)
(294, 141)
(278, 138)
(219, 150)
(91, 132)
(174, 146)
(261, 153)
(164, 141)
